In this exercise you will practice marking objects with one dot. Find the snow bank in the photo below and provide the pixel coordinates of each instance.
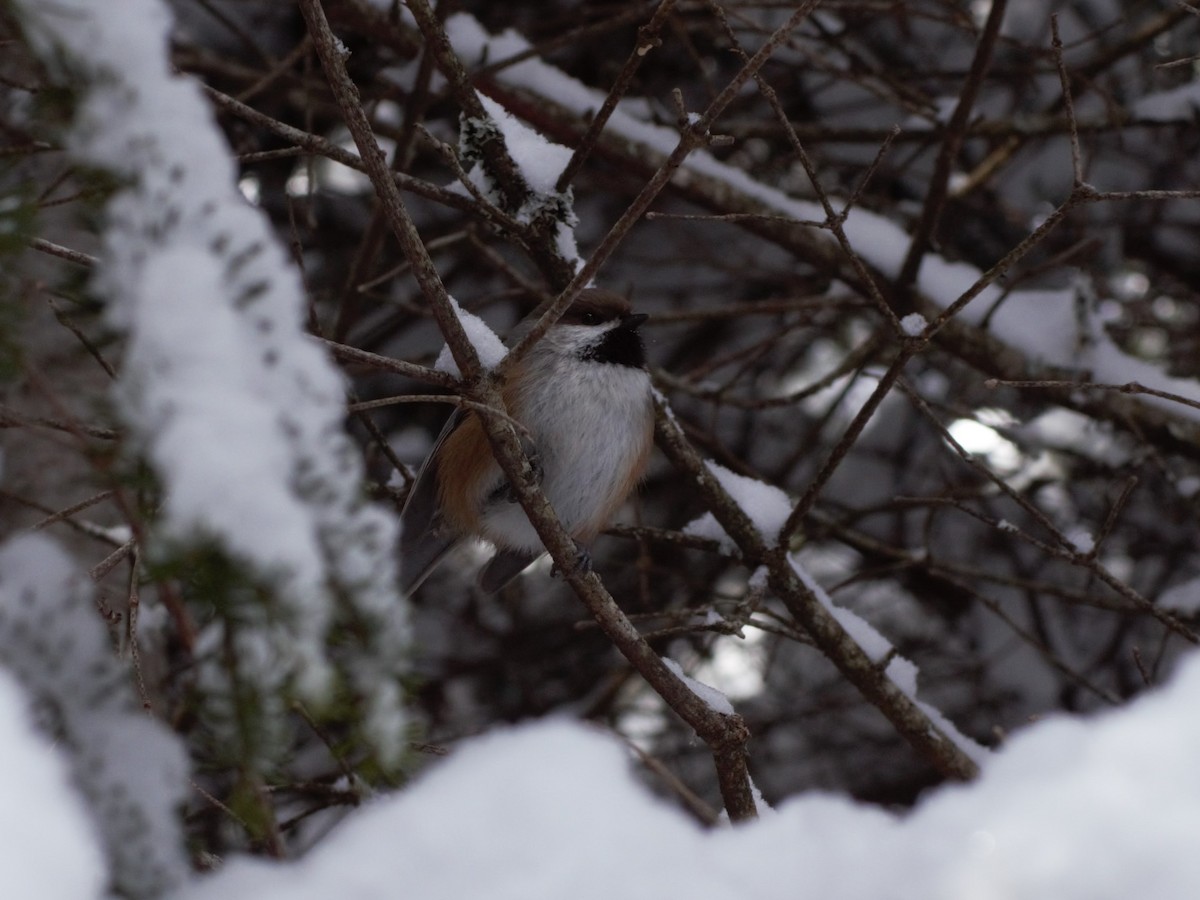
(1106, 809)
(48, 850)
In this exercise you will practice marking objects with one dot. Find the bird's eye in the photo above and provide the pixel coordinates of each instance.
(590, 318)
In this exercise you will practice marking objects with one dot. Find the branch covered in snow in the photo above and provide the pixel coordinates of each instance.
(238, 410)
(737, 504)
(130, 769)
(921, 315)
(995, 314)
(724, 733)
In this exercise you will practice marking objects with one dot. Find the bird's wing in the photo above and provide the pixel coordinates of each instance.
(422, 542)
(420, 559)
(504, 567)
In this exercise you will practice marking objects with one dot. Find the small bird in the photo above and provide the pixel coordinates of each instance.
(582, 395)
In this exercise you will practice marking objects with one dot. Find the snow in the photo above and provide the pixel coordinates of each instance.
(737, 666)
(212, 387)
(1183, 598)
(874, 644)
(707, 527)
(714, 699)
(1041, 323)
(494, 823)
(759, 578)
(1068, 810)
(902, 672)
(200, 388)
(540, 161)
(1178, 104)
(237, 409)
(768, 508)
(488, 346)
(48, 850)
(913, 324)
(131, 769)
(1081, 540)
(1064, 429)
(766, 505)
(336, 177)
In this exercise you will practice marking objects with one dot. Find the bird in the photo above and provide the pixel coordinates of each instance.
(583, 399)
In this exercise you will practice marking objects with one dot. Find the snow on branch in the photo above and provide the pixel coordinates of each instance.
(236, 408)
(900, 671)
(539, 161)
(50, 848)
(766, 505)
(713, 698)
(131, 770)
(1041, 323)
(767, 508)
(487, 343)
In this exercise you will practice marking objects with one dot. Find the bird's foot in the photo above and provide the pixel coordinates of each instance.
(583, 561)
(535, 472)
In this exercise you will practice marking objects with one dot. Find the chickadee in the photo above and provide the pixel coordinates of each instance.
(583, 395)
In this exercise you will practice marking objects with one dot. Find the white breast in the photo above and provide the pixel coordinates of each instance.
(590, 423)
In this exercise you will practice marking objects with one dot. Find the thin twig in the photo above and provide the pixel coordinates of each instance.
(451, 399)
(1108, 55)
(88, 344)
(315, 144)
(1068, 105)
(910, 721)
(1062, 546)
(1130, 387)
(935, 197)
(113, 560)
(384, 180)
(515, 191)
(387, 364)
(647, 40)
(10, 418)
(134, 601)
(75, 256)
(73, 509)
(695, 135)
(725, 735)
(692, 802)
(834, 221)
(1114, 513)
(277, 71)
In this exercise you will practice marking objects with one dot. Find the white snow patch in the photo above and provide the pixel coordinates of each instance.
(1067, 810)
(540, 161)
(713, 699)
(902, 672)
(48, 849)
(1178, 104)
(238, 410)
(1082, 540)
(487, 344)
(766, 505)
(1064, 429)
(1183, 598)
(1040, 323)
(130, 768)
(913, 324)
